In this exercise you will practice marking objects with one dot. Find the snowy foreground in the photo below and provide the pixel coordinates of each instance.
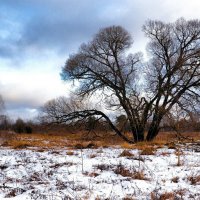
(98, 174)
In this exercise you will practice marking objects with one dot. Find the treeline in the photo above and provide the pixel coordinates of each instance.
(92, 124)
(21, 126)
(18, 126)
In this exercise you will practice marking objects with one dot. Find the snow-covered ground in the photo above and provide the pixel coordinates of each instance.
(98, 174)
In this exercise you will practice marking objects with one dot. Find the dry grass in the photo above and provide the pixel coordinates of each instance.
(92, 174)
(57, 165)
(85, 145)
(121, 170)
(171, 145)
(165, 154)
(126, 153)
(180, 193)
(93, 155)
(148, 151)
(194, 179)
(177, 194)
(167, 196)
(21, 146)
(129, 198)
(37, 140)
(103, 167)
(70, 153)
(76, 140)
(175, 179)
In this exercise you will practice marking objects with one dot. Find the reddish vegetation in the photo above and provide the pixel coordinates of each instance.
(81, 140)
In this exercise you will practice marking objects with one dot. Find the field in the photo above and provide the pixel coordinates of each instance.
(45, 166)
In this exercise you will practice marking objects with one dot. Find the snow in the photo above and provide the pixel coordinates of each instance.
(91, 174)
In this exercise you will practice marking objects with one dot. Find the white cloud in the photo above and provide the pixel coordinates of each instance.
(29, 87)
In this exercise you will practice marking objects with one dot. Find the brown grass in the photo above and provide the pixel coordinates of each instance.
(93, 155)
(120, 169)
(165, 154)
(92, 174)
(57, 165)
(128, 198)
(175, 179)
(21, 145)
(194, 179)
(167, 196)
(126, 153)
(37, 140)
(76, 140)
(177, 194)
(103, 167)
(70, 153)
(148, 151)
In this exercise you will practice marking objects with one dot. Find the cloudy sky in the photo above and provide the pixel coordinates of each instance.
(37, 36)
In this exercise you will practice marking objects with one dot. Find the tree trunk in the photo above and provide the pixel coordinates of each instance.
(153, 132)
(154, 128)
(138, 135)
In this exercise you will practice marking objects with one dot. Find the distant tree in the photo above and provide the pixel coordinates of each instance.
(145, 93)
(19, 126)
(56, 110)
(28, 129)
(22, 127)
(5, 122)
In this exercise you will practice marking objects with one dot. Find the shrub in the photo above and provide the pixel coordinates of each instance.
(194, 179)
(28, 129)
(120, 169)
(103, 167)
(175, 179)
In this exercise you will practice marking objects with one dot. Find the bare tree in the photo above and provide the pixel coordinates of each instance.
(102, 65)
(174, 68)
(62, 110)
(5, 122)
(172, 75)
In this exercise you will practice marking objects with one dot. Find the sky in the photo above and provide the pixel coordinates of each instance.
(37, 36)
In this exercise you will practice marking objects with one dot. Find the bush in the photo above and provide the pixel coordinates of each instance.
(22, 127)
(28, 129)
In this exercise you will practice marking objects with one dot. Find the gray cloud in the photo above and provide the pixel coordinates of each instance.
(47, 26)
(60, 25)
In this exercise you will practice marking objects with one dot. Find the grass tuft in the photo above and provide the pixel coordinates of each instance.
(126, 153)
(121, 170)
(194, 179)
(148, 151)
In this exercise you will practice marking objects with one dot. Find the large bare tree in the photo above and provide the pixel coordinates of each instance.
(143, 92)
(174, 68)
